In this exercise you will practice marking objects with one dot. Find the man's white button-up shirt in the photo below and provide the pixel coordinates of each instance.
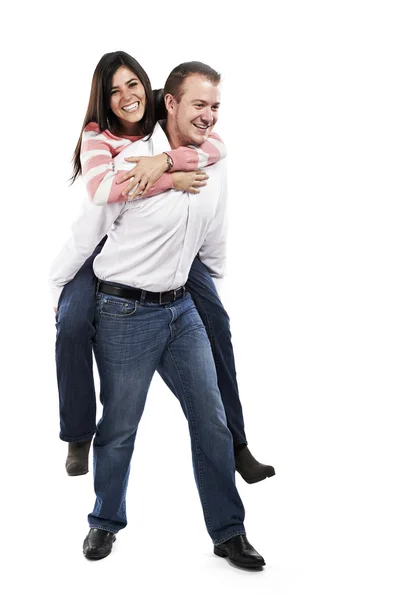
(152, 242)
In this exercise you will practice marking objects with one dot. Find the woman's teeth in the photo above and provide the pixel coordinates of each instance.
(131, 107)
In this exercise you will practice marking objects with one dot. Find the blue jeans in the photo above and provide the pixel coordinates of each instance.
(75, 331)
(132, 341)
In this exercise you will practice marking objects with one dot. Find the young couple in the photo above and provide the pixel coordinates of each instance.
(136, 282)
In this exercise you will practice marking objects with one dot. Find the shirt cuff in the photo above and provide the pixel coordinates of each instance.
(55, 294)
(219, 284)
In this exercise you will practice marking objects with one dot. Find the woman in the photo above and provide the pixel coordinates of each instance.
(141, 329)
(105, 133)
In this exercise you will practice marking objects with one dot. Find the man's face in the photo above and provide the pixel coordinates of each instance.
(195, 115)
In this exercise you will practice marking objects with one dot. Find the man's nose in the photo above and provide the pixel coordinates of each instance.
(206, 115)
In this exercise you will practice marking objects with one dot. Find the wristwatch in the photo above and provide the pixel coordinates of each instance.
(169, 162)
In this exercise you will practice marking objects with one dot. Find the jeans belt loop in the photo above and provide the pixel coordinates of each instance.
(160, 298)
(142, 297)
(174, 295)
(97, 285)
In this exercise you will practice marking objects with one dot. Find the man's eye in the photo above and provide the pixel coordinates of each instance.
(198, 105)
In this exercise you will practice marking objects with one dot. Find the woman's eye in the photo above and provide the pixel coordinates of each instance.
(114, 92)
(133, 84)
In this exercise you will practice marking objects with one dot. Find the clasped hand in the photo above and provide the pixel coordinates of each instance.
(148, 169)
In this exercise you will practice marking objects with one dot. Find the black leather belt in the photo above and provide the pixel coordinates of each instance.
(132, 293)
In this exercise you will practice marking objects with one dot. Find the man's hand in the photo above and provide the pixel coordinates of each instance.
(147, 171)
(189, 181)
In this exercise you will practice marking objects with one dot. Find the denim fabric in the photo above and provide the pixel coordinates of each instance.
(74, 357)
(216, 322)
(132, 341)
(75, 332)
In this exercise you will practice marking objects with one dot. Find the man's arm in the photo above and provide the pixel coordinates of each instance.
(213, 250)
(87, 231)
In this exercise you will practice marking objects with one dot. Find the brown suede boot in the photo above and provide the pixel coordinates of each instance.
(77, 459)
(249, 468)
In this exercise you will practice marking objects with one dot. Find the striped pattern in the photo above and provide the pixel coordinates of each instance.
(97, 154)
(99, 148)
(190, 158)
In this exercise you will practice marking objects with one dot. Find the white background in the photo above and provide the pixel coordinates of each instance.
(310, 115)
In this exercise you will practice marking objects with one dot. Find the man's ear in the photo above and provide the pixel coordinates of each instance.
(170, 103)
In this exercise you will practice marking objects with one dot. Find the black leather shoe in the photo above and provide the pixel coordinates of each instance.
(77, 459)
(249, 468)
(98, 543)
(240, 553)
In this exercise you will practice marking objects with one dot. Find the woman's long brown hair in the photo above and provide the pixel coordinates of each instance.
(99, 109)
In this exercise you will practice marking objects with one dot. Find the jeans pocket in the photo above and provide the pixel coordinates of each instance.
(116, 308)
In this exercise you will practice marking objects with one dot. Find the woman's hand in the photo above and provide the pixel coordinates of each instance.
(189, 181)
(146, 172)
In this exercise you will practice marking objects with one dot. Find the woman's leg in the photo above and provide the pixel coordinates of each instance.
(75, 330)
(216, 322)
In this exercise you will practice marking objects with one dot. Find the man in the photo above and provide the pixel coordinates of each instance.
(142, 330)
(74, 353)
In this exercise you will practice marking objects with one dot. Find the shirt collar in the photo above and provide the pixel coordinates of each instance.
(159, 140)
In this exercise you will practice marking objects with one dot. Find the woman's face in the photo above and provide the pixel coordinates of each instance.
(128, 100)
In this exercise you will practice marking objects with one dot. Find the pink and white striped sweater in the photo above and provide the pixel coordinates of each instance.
(98, 171)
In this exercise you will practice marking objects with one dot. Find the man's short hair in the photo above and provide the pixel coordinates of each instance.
(176, 79)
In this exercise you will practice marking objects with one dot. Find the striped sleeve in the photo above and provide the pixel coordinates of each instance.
(190, 158)
(98, 169)
(163, 184)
